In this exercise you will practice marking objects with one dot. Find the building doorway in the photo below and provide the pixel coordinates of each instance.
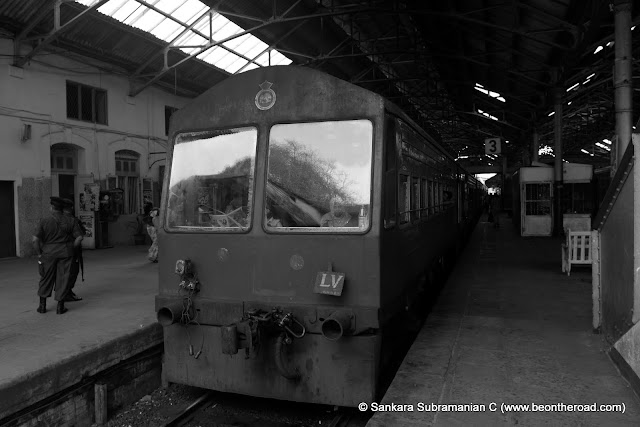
(7, 220)
(67, 186)
(64, 169)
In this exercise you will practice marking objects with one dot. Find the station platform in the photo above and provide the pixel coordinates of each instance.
(42, 355)
(509, 328)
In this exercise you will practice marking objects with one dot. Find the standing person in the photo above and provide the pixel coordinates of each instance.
(54, 241)
(152, 229)
(77, 261)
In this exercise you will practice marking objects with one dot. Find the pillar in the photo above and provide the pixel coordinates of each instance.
(622, 76)
(557, 151)
(636, 232)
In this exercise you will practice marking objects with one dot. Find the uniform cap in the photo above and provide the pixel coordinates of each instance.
(67, 202)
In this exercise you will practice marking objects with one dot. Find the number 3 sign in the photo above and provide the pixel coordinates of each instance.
(492, 146)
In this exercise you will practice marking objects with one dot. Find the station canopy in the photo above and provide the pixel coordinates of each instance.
(467, 71)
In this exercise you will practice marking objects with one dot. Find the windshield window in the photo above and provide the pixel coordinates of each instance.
(212, 179)
(319, 176)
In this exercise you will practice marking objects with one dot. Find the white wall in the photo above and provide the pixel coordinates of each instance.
(36, 95)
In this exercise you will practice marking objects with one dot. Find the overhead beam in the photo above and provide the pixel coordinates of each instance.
(56, 32)
(136, 90)
(285, 36)
(172, 43)
(44, 10)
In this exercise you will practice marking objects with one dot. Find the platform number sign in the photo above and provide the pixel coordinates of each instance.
(492, 146)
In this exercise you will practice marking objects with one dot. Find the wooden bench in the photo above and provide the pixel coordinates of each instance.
(576, 249)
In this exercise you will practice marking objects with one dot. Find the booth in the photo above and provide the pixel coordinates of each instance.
(534, 204)
(533, 194)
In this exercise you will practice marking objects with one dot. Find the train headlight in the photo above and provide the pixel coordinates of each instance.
(180, 267)
(183, 267)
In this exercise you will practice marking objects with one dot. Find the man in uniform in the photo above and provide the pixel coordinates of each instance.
(68, 210)
(54, 242)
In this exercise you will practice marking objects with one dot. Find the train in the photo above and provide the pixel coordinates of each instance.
(301, 214)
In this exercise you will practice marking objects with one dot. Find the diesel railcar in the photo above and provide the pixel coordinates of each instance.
(299, 213)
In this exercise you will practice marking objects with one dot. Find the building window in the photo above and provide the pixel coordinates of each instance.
(64, 159)
(86, 103)
(128, 177)
(168, 112)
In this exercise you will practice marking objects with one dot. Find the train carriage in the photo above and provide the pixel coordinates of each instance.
(298, 214)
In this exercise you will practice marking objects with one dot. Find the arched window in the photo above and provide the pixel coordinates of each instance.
(128, 175)
(64, 158)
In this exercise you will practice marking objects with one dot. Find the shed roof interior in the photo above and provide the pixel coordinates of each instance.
(468, 69)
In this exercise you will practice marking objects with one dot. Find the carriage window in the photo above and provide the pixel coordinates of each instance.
(423, 198)
(319, 176)
(212, 179)
(404, 199)
(432, 207)
(415, 198)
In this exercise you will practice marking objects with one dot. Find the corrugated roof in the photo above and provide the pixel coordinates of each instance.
(428, 57)
(190, 25)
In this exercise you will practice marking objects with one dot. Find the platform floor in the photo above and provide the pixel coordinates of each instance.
(117, 312)
(510, 328)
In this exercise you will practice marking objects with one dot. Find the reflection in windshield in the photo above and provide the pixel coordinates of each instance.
(319, 175)
(211, 184)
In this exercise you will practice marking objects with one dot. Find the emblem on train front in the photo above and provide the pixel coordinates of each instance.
(266, 97)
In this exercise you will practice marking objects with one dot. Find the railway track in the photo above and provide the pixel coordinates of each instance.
(193, 416)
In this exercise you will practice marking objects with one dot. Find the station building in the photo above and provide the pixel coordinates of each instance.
(68, 128)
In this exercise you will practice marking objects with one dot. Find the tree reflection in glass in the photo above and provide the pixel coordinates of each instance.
(319, 176)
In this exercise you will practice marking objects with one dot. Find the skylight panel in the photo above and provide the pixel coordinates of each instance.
(236, 65)
(189, 11)
(227, 30)
(126, 10)
(251, 66)
(184, 13)
(258, 48)
(109, 8)
(242, 44)
(279, 59)
(148, 20)
(226, 60)
(167, 30)
(487, 115)
(489, 93)
(203, 25)
(214, 55)
(190, 39)
(169, 6)
(139, 11)
(263, 59)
